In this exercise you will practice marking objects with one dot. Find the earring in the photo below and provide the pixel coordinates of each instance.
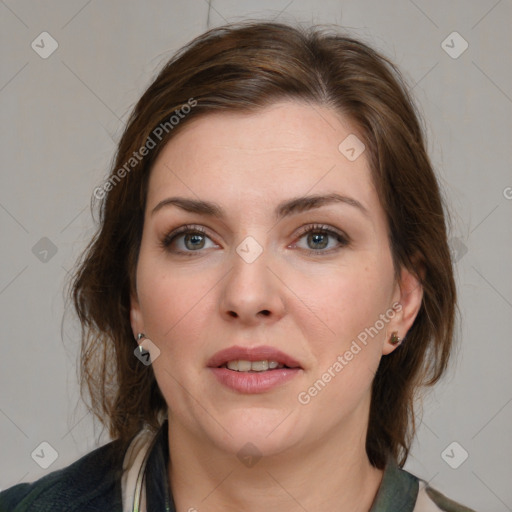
(394, 340)
(140, 336)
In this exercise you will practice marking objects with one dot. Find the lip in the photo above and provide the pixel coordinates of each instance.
(261, 353)
(254, 382)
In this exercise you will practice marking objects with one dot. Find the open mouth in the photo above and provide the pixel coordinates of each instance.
(250, 360)
(253, 366)
(253, 370)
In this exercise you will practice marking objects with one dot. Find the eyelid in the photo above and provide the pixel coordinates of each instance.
(306, 228)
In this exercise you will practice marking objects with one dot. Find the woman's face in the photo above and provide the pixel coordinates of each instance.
(313, 280)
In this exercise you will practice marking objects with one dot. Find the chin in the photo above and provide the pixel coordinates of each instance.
(255, 445)
(257, 429)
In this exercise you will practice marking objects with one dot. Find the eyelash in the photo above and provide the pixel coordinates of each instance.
(342, 239)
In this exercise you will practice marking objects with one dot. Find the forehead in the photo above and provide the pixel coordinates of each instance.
(286, 149)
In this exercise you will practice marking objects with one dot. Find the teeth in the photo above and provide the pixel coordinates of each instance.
(256, 366)
(244, 366)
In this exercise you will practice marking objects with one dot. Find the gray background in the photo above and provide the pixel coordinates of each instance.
(62, 116)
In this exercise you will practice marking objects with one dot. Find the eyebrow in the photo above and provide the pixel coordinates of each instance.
(284, 209)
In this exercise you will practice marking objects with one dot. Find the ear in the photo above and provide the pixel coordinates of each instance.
(407, 297)
(136, 316)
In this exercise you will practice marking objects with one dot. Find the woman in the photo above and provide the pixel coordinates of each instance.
(269, 288)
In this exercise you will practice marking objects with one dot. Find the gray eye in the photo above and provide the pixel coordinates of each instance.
(194, 241)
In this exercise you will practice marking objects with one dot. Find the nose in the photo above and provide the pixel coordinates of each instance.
(252, 292)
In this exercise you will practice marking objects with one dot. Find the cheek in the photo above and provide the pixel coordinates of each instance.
(346, 347)
(348, 299)
(174, 307)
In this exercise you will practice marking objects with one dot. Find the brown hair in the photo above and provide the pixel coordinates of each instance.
(244, 67)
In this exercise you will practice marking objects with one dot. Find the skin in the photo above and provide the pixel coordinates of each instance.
(310, 306)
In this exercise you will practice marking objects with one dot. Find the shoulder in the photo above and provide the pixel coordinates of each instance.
(93, 482)
(431, 500)
(402, 490)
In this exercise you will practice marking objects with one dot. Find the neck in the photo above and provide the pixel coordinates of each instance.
(332, 473)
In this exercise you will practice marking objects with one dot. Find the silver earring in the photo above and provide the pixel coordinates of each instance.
(141, 336)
